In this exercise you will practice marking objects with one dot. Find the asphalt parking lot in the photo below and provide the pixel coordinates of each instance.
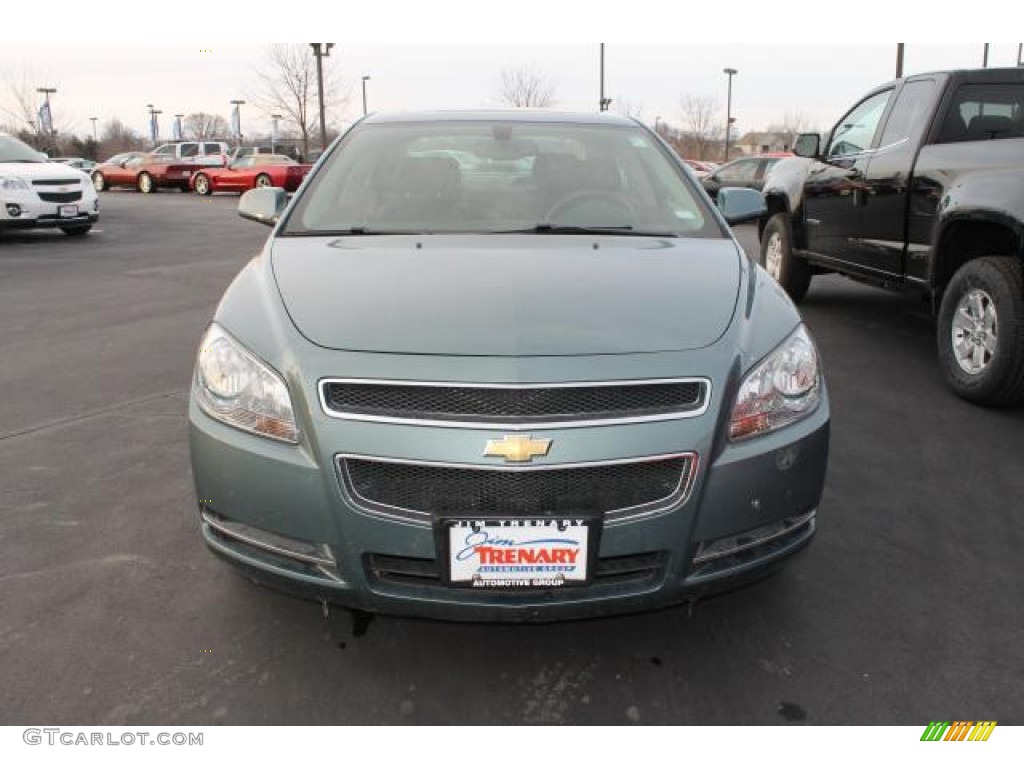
(906, 609)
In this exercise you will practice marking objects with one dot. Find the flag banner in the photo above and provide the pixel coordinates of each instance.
(45, 118)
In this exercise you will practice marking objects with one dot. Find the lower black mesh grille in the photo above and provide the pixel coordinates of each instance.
(60, 197)
(422, 490)
(512, 405)
(425, 572)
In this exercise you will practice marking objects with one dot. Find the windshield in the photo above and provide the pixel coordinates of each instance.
(492, 176)
(14, 151)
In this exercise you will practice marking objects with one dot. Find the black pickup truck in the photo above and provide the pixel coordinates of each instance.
(919, 186)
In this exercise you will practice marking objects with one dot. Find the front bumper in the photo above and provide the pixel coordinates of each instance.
(27, 211)
(280, 514)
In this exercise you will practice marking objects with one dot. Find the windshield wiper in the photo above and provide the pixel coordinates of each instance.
(341, 232)
(572, 229)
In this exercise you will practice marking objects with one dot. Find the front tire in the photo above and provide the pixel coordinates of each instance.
(76, 231)
(98, 182)
(790, 271)
(145, 184)
(981, 331)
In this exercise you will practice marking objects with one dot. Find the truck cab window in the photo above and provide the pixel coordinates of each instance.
(908, 118)
(983, 113)
(853, 134)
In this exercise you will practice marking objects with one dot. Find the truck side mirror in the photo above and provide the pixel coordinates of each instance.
(807, 145)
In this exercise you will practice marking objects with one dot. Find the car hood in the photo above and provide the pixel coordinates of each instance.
(40, 171)
(515, 295)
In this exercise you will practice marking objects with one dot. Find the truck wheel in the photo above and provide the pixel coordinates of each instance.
(981, 331)
(146, 183)
(76, 231)
(791, 272)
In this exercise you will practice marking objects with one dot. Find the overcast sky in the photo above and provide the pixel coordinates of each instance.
(818, 81)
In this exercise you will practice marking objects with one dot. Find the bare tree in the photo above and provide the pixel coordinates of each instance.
(116, 137)
(19, 100)
(202, 125)
(286, 84)
(701, 123)
(628, 108)
(20, 103)
(526, 86)
(793, 122)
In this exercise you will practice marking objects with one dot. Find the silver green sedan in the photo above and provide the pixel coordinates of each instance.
(505, 366)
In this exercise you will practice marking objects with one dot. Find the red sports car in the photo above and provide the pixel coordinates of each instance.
(250, 172)
(144, 172)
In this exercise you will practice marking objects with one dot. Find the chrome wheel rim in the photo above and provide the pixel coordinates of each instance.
(202, 187)
(97, 183)
(262, 181)
(773, 255)
(975, 331)
(144, 183)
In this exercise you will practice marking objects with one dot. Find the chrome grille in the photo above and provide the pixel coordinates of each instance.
(422, 491)
(518, 405)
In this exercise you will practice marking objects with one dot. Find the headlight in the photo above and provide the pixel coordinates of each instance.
(13, 182)
(235, 387)
(781, 389)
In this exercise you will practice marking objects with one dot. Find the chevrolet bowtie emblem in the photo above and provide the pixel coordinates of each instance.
(517, 448)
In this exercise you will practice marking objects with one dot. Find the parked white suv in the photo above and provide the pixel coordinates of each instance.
(196, 152)
(37, 193)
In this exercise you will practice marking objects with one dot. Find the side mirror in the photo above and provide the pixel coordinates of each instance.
(739, 204)
(264, 205)
(807, 145)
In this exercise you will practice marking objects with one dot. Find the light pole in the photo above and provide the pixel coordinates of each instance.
(728, 110)
(899, 60)
(152, 123)
(365, 78)
(656, 121)
(156, 125)
(236, 119)
(320, 50)
(604, 103)
(984, 57)
(95, 138)
(1020, 53)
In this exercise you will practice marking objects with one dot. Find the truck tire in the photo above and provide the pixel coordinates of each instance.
(790, 271)
(981, 331)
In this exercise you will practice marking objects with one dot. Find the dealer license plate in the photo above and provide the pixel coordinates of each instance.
(518, 554)
(68, 211)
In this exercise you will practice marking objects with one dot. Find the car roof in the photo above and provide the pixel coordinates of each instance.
(501, 115)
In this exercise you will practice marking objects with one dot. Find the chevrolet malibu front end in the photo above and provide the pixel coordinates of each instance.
(504, 366)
